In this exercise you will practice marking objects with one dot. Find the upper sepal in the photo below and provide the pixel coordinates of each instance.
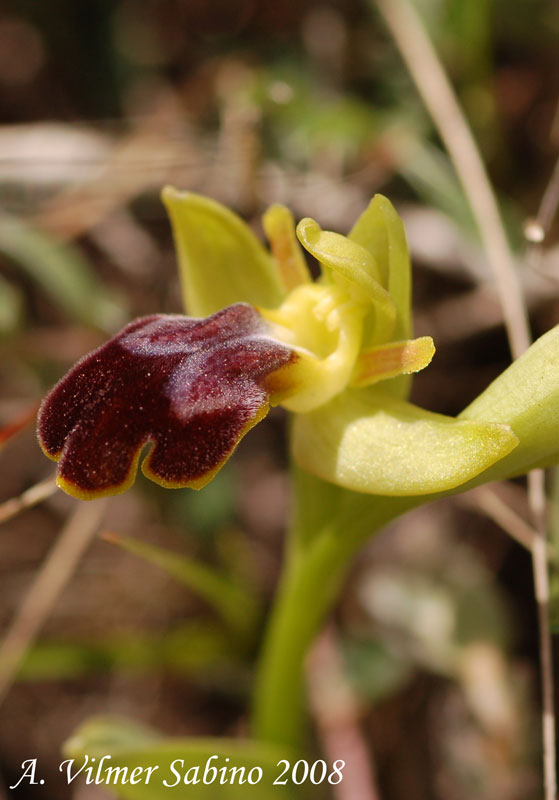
(190, 387)
(221, 262)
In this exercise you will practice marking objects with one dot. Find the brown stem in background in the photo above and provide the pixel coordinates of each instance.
(549, 202)
(537, 499)
(337, 716)
(31, 497)
(487, 501)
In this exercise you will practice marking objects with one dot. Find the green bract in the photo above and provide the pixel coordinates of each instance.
(351, 330)
(526, 397)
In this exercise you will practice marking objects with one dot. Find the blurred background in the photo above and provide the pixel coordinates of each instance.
(430, 661)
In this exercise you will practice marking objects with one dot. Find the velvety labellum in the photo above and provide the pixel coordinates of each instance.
(190, 387)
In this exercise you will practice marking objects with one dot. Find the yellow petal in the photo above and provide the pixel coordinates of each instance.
(279, 227)
(380, 230)
(356, 267)
(368, 442)
(324, 329)
(392, 359)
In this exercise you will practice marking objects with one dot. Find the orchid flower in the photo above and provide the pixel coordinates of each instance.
(337, 352)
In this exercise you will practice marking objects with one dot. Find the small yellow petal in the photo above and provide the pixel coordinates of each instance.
(279, 227)
(392, 359)
(351, 265)
(324, 329)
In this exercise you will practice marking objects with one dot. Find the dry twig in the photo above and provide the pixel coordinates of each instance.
(549, 202)
(28, 499)
(488, 501)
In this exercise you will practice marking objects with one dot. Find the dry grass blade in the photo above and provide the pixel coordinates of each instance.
(49, 583)
(537, 499)
(28, 499)
(437, 94)
(439, 98)
(536, 229)
(18, 425)
(487, 501)
(549, 202)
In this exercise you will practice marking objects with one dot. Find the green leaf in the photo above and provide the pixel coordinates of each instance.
(61, 272)
(133, 746)
(221, 261)
(11, 305)
(233, 602)
(526, 397)
(430, 173)
(196, 648)
(369, 442)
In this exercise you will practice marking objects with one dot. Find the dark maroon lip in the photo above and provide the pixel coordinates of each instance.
(190, 387)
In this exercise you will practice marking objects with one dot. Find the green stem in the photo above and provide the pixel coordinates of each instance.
(311, 582)
(308, 588)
